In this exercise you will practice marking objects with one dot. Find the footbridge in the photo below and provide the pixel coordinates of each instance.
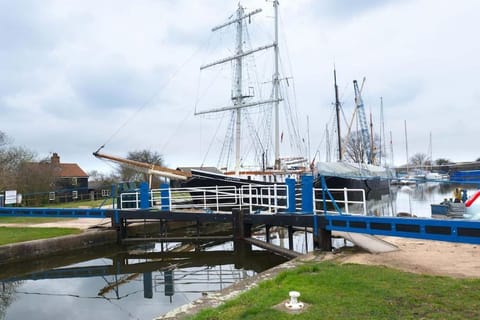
(290, 205)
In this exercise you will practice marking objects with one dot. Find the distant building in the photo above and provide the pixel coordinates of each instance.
(53, 181)
(71, 182)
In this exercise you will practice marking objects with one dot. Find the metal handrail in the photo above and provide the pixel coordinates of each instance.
(318, 203)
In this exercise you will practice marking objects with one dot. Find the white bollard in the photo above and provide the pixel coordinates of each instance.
(293, 304)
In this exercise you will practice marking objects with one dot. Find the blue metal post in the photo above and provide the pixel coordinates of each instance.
(165, 196)
(290, 182)
(307, 194)
(144, 196)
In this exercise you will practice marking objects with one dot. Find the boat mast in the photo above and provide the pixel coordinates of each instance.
(406, 144)
(337, 111)
(238, 97)
(276, 83)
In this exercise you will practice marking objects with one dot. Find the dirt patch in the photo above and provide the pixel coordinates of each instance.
(424, 256)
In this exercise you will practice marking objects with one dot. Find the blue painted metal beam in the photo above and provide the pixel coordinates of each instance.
(431, 229)
(53, 212)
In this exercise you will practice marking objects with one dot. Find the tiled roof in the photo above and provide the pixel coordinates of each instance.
(62, 170)
(71, 170)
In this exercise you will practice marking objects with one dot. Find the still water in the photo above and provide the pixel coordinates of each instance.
(415, 200)
(135, 283)
(147, 281)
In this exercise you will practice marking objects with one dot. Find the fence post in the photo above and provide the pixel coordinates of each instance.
(165, 196)
(291, 201)
(144, 196)
(307, 194)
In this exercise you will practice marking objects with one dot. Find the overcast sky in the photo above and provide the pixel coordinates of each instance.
(75, 75)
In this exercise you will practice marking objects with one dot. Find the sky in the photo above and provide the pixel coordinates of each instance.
(76, 75)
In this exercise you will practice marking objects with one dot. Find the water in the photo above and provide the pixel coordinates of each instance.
(141, 283)
(415, 200)
(145, 281)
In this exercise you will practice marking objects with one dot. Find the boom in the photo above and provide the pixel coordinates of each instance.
(147, 168)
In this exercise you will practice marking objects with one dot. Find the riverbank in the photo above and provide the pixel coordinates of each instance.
(413, 255)
(454, 260)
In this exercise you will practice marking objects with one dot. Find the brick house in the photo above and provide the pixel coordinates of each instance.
(71, 182)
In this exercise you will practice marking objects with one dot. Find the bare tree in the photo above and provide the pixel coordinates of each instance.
(354, 149)
(12, 159)
(442, 161)
(145, 156)
(420, 160)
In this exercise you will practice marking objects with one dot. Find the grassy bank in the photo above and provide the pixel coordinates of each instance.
(19, 234)
(350, 291)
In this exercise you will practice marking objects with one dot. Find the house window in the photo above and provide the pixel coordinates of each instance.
(74, 181)
(51, 196)
(105, 193)
(75, 194)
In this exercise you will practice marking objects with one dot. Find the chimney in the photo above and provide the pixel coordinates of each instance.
(55, 159)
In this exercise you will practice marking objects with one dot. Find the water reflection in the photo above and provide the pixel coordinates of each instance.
(412, 200)
(138, 283)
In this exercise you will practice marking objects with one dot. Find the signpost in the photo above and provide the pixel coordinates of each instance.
(10, 197)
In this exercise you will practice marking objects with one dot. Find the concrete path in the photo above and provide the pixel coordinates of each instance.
(79, 223)
(367, 242)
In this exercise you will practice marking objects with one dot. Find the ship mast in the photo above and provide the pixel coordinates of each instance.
(276, 84)
(238, 97)
(337, 111)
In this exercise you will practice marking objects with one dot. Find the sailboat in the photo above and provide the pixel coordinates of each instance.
(372, 178)
(262, 173)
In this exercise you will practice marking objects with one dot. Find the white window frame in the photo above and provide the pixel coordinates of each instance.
(74, 194)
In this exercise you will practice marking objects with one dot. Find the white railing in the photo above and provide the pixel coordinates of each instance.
(257, 198)
(343, 202)
(269, 198)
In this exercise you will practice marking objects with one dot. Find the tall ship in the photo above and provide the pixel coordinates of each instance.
(267, 168)
(359, 174)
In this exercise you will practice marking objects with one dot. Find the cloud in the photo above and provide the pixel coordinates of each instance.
(78, 74)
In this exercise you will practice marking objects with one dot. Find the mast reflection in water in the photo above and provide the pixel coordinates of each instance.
(139, 283)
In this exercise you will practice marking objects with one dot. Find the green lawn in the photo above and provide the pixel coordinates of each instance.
(351, 291)
(29, 220)
(20, 234)
(77, 204)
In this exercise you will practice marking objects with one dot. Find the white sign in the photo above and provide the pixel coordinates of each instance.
(10, 196)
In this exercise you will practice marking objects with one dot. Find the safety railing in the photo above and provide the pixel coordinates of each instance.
(216, 198)
(261, 198)
(343, 199)
(256, 198)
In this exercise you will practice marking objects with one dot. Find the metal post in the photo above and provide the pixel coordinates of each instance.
(291, 205)
(144, 196)
(147, 285)
(345, 197)
(307, 194)
(165, 195)
(290, 237)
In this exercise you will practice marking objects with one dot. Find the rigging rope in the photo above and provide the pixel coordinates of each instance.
(152, 97)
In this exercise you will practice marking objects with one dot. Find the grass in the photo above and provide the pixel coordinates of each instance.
(28, 220)
(24, 233)
(82, 203)
(350, 291)
(13, 234)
